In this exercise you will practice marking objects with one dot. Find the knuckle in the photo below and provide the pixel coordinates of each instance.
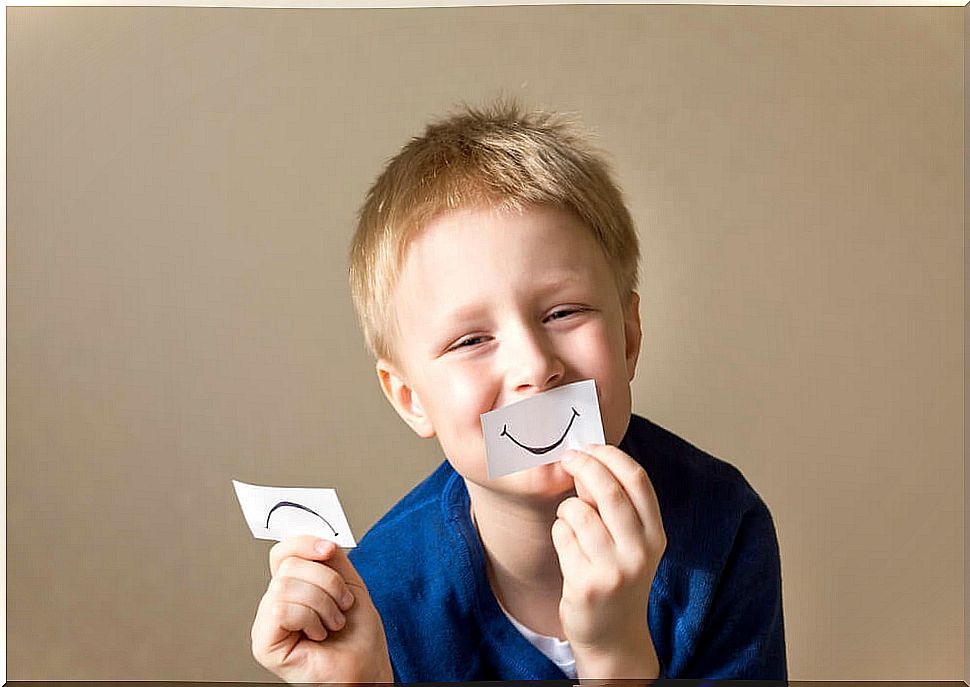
(638, 476)
(281, 585)
(279, 612)
(613, 494)
(285, 568)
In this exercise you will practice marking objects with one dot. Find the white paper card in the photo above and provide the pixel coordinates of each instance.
(281, 512)
(540, 429)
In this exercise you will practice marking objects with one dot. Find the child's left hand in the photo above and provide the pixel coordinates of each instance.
(609, 539)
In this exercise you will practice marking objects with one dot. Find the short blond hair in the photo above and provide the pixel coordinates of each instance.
(498, 156)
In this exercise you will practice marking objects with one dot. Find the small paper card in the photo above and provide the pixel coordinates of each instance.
(281, 512)
(538, 430)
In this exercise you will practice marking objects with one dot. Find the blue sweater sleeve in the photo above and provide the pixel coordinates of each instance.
(743, 636)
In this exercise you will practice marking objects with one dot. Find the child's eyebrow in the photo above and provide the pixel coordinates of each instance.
(553, 285)
(561, 280)
(463, 313)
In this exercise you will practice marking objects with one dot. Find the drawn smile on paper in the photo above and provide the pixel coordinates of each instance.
(542, 449)
(290, 504)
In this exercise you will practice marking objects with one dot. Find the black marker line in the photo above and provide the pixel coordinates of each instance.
(281, 504)
(544, 449)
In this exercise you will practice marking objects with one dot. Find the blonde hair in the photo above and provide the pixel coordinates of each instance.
(498, 156)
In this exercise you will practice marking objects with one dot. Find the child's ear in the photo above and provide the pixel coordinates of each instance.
(632, 333)
(404, 399)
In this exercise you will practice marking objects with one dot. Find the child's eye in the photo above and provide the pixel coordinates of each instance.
(562, 312)
(468, 341)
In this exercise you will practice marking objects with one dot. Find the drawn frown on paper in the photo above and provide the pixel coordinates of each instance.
(291, 504)
(278, 513)
(543, 449)
(518, 435)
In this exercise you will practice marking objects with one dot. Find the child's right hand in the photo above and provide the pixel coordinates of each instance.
(307, 627)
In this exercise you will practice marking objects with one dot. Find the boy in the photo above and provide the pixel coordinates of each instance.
(495, 259)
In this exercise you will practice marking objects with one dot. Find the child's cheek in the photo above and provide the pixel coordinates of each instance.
(615, 408)
(469, 394)
(460, 401)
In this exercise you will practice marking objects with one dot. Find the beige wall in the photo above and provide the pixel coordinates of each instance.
(181, 191)
(966, 320)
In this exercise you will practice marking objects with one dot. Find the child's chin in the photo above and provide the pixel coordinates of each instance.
(544, 481)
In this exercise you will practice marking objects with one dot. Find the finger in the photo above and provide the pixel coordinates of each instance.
(327, 579)
(572, 560)
(268, 635)
(292, 590)
(304, 546)
(298, 618)
(588, 529)
(637, 485)
(611, 501)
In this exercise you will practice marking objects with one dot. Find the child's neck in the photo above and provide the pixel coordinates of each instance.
(521, 561)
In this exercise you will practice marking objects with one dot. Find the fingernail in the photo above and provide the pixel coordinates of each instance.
(339, 619)
(346, 601)
(324, 546)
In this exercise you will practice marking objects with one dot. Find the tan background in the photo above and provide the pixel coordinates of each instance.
(182, 186)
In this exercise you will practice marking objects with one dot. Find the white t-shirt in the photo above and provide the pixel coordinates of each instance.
(556, 650)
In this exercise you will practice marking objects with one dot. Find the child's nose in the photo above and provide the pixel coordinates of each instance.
(533, 364)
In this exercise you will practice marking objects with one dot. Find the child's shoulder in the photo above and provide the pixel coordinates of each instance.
(411, 533)
(682, 469)
(701, 497)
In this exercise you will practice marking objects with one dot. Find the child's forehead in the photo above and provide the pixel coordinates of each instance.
(557, 223)
(483, 282)
(502, 244)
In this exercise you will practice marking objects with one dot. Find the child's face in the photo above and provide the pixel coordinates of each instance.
(493, 308)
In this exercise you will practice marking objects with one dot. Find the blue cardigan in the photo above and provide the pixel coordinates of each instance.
(715, 608)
